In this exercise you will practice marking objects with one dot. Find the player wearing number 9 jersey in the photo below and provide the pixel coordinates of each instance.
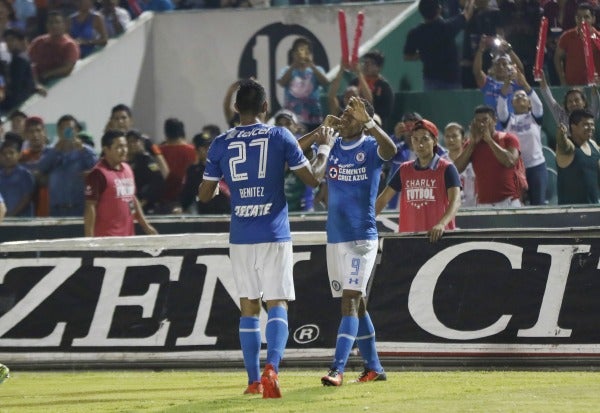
(353, 173)
(252, 158)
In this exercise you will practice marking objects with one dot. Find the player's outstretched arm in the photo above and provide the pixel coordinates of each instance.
(383, 199)
(208, 190)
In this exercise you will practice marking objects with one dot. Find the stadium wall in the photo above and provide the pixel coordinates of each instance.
(518, 296)
(22, 229)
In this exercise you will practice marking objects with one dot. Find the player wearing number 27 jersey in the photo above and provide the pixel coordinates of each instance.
(255, 176)
(252, 159)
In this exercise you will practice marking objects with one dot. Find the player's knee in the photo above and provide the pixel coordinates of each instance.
(350, 302)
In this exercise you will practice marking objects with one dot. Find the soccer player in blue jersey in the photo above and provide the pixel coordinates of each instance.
(353, 172)
(251, 158)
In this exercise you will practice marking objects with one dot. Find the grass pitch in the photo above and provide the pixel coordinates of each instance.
(209, 391)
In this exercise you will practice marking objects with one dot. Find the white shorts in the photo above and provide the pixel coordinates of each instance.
(263, 270)
(349, 265)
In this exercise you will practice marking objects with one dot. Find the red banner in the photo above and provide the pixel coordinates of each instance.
(360, 22)
(343, 36)
(541, 49)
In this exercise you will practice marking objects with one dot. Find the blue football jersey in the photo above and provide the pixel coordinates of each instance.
(353, 174)
(252, 161)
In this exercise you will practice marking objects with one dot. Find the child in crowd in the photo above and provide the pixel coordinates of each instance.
(454, 139)
(525, 123)
(302, 81)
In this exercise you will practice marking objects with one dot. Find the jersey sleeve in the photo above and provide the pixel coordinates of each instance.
(95, 184)
(293, 154)
(396, 182)
(451, 177)
(213, 171)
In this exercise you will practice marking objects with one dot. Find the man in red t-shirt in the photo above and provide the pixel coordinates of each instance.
(179, 156)
(54, 54)
(429, 187)
(110, 201)
(569, 59)
(494, 156)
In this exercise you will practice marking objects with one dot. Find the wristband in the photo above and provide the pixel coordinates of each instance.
(324, 150)
(370, 124)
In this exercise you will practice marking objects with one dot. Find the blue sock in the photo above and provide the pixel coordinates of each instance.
(345, 340)
(277, 335)
(250, 342)
(366, 343)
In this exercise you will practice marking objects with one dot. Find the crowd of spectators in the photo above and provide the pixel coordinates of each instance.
(37, 179)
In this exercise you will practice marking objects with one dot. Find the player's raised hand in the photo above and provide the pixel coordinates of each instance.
(356, 108)
(332, 122)
(563, 130)
(326, 136)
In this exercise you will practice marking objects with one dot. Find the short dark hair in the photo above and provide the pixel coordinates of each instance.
(429, 9)
(587, 6)
(109, 137)
(485, 109)
(55, 13)
(134, 133)
(14, 137)
(14, 32)
(12, 140)
(578, 115)
(250, 97)
(69, 118)
(174, 128)
(302, 41)
(17, 114)
(368, 107)
(121, 107)
(572, 91)
(376, 56)
(411, 117)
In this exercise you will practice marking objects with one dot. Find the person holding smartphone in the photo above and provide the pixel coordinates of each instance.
(65, 165)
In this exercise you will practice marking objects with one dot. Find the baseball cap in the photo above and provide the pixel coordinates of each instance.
(287, 114)
(33, 120)
(427, 125)
(202, 140)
